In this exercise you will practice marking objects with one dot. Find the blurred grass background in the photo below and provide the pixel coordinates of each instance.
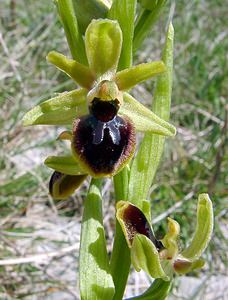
(195, 161)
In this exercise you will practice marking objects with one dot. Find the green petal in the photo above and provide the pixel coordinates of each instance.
(61, 186)
(60, 110)
(170, 240)
(145, 256)
(103, 40)
(78, 72)
(128, 78)
(144, 119)
(204, 229)
(64, 164)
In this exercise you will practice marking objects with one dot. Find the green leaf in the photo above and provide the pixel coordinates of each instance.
(158, 290)
(128, 78)
(74, 37)
(95, 278)
(60, 110)
(145, 22)
(148, 4)
(204, 229)
(103, 41)
(124, 12)
(146, 162)
(61, 186)
(86, 10)
(64, 164)
(78, 72)
(144, 119)
(145, 256)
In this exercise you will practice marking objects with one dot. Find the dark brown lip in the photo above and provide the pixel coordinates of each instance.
(136, 222)
(103, 146)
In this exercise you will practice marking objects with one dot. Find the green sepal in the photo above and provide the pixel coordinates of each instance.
(128, 78)
(61, 186)
(78, 72)
(204, 229)
(144, 119)
(158, 290)
(64, 164)
(103, 41)
(94, 271)
(86, 10)
(124, 12)
(60, 110)
(145, 256)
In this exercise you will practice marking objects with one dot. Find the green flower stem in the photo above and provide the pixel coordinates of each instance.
(70, 24)
(124, 12)
(158, 290)
(145, 22)
(145, 164)
(120, 259)
(94, 272)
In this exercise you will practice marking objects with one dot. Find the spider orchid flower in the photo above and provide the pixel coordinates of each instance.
(103, 115)
(162, 258)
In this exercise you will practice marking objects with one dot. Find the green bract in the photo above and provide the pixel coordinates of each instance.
(162, 260)
(102, 107)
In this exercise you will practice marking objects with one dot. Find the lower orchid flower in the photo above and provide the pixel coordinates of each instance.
(163, 258)
(103, 116)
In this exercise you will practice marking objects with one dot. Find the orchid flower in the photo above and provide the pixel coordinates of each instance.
(163, 258)
(103, 115)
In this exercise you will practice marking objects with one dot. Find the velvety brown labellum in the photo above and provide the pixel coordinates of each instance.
(103, 147)
(62, 186)
(136, 222)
